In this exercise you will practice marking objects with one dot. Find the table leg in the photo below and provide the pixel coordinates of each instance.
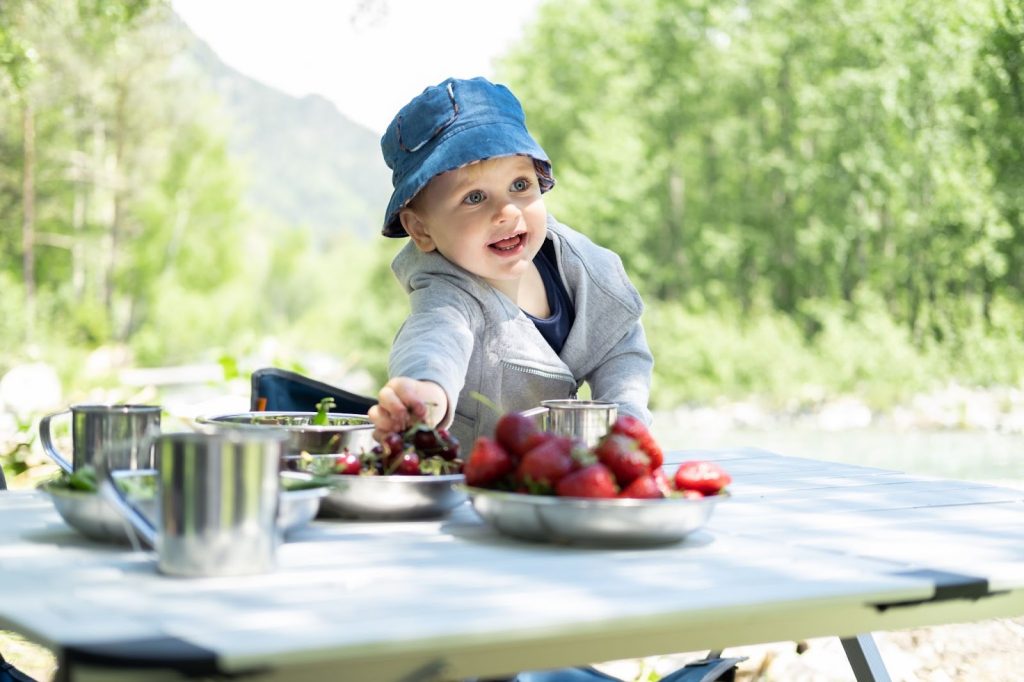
(865, 659)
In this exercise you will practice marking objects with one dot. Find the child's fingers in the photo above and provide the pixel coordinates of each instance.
(398, 403)
(382, 422)
(408, 394)
(391, 411)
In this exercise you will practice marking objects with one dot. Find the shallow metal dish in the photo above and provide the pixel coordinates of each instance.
(605, 522)
(92, 516)
(88, 513)
(352, 432)
(299, 507)
(394, 497)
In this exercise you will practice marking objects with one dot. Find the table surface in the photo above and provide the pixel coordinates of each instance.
(803, 548)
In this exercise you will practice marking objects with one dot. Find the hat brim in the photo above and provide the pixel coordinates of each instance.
(461, 148)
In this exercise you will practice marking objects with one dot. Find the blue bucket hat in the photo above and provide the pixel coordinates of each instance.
(450, 125)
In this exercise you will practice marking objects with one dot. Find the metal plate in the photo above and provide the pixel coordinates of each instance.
(352, 432)
(605, 522)
(394, 497)
(89, 513)
(95, 518)
(299, 507)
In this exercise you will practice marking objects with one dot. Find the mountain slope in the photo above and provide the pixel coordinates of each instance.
(308, 164)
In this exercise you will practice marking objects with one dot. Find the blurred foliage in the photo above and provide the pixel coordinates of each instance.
(828, 192)
(815, 198)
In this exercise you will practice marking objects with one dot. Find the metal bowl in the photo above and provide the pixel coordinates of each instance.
(300, 506)
(394, 497)
(352, 432)
(605, 522)
(89, 513)
(95, 518)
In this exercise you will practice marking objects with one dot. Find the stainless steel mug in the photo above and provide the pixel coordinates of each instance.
(586, 420)
(118, 430)
(218, 495)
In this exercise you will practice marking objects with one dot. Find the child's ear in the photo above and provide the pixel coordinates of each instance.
(417, 229)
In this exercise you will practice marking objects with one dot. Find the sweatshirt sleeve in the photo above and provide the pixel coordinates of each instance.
(624, 375)
(435, 343)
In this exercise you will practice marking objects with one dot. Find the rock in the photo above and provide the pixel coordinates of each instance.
(30, 389)
(845, 413)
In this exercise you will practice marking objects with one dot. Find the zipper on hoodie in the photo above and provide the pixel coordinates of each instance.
(561, 376)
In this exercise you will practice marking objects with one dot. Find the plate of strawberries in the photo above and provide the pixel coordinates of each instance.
(539, 486)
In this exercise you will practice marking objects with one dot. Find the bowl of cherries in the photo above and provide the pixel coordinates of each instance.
(534, 485)
(415, 474)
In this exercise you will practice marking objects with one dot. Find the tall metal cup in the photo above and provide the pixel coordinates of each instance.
(218, 493)
(585, 420)
(116, 430)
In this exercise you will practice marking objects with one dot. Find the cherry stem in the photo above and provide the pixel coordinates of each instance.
(480, 397)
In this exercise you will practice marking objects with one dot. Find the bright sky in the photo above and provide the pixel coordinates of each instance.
(369, 57)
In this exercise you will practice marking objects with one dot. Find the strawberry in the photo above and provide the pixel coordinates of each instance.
(661, 478)
(628, 425)
(595, 480)
(707, 478)
(620, 454)
(643, 487)
(514, 431)
(487, 463)
(543, 466)
(539, 437)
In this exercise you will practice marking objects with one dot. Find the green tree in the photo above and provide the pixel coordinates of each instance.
(789, 151)
(128, 193)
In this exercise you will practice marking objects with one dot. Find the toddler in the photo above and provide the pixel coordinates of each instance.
(505, 300)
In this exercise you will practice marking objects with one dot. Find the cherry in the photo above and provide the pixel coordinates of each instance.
(392, 445)
(347, 464)
(449, 445)
(425, 440)
(409, 465)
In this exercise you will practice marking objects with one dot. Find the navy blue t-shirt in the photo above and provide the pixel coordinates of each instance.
(555, 329)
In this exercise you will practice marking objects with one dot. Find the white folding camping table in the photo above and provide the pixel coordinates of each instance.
(803, 548)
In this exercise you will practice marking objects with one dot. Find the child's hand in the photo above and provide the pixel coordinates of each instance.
(404, 401)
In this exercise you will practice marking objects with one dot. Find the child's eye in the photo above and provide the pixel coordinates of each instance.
(521, 185)
(474, 197)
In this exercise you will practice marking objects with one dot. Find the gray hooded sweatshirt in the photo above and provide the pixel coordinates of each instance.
(465, 336)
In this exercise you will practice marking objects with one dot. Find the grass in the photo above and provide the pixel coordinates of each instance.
(28, 657)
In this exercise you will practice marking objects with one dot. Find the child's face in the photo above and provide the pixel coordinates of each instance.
(488, 218)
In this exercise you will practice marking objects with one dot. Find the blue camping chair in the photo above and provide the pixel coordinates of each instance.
(280, 390)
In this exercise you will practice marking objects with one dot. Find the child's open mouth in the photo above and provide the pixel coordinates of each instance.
(509, 245)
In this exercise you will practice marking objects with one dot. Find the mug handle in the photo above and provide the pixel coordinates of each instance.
(541, 413)
(109, 490)
(47, 441)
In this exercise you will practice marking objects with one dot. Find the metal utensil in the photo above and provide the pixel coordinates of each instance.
(352, 432)
(394, 497)
(218, 501)
(92, 515)
(605, 522)
(88, 513)
(117, 430)
(586, 420)
(299, 507)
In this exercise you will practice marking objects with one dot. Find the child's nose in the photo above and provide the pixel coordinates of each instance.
(507, 210)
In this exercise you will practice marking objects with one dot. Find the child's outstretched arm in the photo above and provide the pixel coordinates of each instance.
(403, 401)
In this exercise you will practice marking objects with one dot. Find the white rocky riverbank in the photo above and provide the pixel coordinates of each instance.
(953, 407)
